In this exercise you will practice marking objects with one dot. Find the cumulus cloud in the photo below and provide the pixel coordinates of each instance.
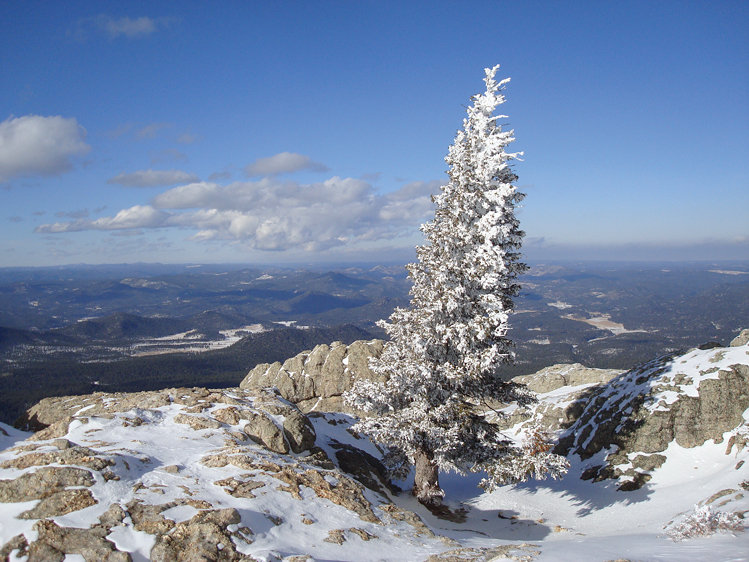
(123, 26)
(277, 215)
(138, 216)
(283, 163)
(152, 178)
(39, 145)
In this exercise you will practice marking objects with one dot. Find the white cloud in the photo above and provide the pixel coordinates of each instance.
(135, 217)
(283, 163)
(277, 215)
(137, 27)
(151, 178)
(39, 145)
(123, 26)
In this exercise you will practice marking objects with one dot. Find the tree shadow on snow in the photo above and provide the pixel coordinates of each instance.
(589, 440)
(458, 519)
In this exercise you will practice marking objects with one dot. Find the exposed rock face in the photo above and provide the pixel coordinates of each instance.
(315, 380)
(688, 398)
(741, 339)
(204, 409)
(212, 474)
(191, 471)
(43, 483)
(570, 383)
(557, 376)
(199, 538)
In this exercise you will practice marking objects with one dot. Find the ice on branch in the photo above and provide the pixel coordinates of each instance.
(443, 361)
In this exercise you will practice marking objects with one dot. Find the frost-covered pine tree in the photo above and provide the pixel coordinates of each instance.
(445, 351)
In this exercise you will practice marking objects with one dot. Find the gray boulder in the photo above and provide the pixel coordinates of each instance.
(316, 380)
(299, 432)
(741, 339)
(557, 376)
(264, 431)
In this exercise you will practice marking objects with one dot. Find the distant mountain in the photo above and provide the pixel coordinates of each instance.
(20, 387)
(123, 326)
(11, 337)
(278, 345)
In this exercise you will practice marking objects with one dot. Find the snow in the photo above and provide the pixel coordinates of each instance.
(560, 305)
(565, 520)
(557, 520)
(176, 342)
(603, 322)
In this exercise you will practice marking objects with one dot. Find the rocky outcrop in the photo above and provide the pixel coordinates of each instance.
(687, 398)
(203, 473)
(741, 339)
(316, 380)
(256, 417)
(569, 375)
(563, 388)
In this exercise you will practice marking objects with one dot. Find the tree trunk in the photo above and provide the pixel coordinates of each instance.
(426, 479)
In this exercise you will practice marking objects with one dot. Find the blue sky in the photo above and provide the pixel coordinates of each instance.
(302, 132)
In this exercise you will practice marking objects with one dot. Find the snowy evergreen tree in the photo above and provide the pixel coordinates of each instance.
(445, 351)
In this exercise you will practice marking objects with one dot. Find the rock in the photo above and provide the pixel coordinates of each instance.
(346, 492)
(148, 518)
(57, 429)
(400, 514)
(62, 444)
(364, 467)
(557, 376)
(645, 409)
(52, 410)
(229, 416)
(485, 554)
(202, 538)
(264, 431)
(299, 431)
(364, 535)
(81, 456)
(18, 543)
(316, 380)
(91, 544)
(240, 488)
(552, 414)
(197, 423)
(43, 483)
(741, 339)
(60, 503)
(335, 536)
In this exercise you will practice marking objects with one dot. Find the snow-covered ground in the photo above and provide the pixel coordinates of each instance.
(191, 341)
(566, 520)
(603, 322)
(158, 459)
(582, 521)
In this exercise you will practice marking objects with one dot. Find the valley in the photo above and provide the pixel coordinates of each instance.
(75, 329)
